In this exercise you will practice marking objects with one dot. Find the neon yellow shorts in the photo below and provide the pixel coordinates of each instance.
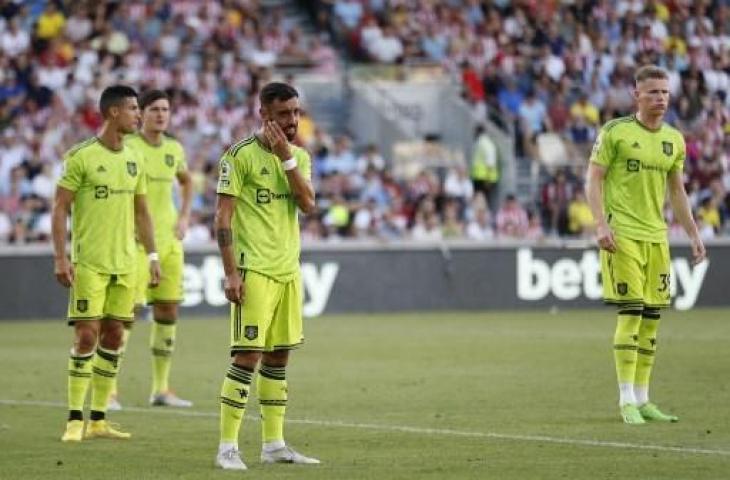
(96, 295)
(638, 273)
(270, 317)
(170, 289)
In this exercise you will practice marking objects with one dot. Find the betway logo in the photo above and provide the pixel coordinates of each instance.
(205, 284)
(568, 279)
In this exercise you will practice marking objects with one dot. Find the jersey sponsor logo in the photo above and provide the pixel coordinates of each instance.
(633, 165)
(82, 305)
(668, 148)
(264, 196)
(132, 168)
(250, 332)
(169, 160)
(101, 191)
(264, 171)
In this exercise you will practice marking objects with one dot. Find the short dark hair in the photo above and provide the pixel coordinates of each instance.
(113, 96)
(151, 96)
(650, 71)
(277, 91)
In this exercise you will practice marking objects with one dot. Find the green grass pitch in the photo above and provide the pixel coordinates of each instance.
(402, 396)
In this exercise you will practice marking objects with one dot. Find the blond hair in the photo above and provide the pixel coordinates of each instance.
(650, 71)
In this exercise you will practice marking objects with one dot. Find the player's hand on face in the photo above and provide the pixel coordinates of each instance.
(277, 140)
(235, 288)
(604, 237)
(155, 273)
(698, 251)
(64, 271)
(181, 227)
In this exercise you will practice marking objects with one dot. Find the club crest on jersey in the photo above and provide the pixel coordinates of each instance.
(169, 160)
(251, 332)
(132, 169)
(622, 288)
(82, 305)
(633, 165)
(668, 148)
(101, 191)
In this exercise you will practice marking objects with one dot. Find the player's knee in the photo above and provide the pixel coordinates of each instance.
(86, 338)
(112, 335)
(168, 311)
(247, 359)
(278, 358)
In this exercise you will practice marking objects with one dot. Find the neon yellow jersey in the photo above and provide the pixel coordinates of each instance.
(104, 183)
(637, 162)
(265, 221)
(162, 163)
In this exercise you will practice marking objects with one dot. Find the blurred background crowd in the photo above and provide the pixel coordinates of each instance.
(554, 70)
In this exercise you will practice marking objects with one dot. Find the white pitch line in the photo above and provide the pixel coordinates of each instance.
(415, 430)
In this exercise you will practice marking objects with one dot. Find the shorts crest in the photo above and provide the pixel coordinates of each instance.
(82, 305)
(251, 332)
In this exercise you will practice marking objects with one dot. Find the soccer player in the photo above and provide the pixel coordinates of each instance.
(164, 163)
(103, 187)
(635, 160)
(263, 179)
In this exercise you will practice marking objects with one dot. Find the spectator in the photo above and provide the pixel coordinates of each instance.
(511, 219)
(452, 225)
(484, 164)
(480, 228)
(50, 22)
(427, 228)
(580, 218)
(709, 214)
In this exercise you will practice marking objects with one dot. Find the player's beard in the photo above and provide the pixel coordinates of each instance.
(291, 136)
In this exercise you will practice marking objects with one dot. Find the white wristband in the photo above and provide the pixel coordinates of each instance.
(153, 257)
(290, 164)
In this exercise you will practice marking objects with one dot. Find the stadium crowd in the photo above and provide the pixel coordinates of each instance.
(561, 69)
(552, 68)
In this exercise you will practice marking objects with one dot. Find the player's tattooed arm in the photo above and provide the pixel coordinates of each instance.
(234, 288)
(225, 237)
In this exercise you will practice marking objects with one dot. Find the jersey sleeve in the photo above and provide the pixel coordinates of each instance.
(230, 175)
(73, 172)
(141, 188)
(304, 161)
(182, 164)
(678, 164)
(603, 150)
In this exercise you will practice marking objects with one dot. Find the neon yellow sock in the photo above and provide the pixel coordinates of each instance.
(272, 392)
(234, 395)
(162, 343)
(125, 338)
(79, 378)
(104, 371)
(625, 342)
(647, 346)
